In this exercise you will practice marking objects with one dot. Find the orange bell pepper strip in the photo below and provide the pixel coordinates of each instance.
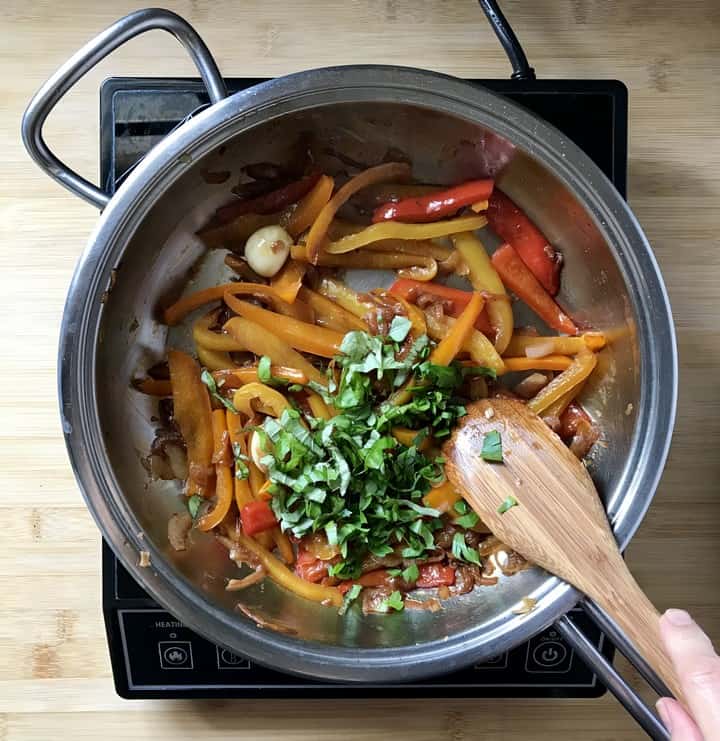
(257, 397)
(236, 233)
(308, 209)
(204, 337)
(318, 407)
(548, 363)
(153, 386)
(484, 277)
(578, 370)
(318, 230)
(343, 295)
(282, 576)
(398, 230)
(541, 346)
(451, 344)
(454, 300)
(193, 413)
(439, 252)
(330, 314)
(442, 497)
(256, 339)
(288, 281)
(233, 378)
(223, 473)
(299, 335)
(420, 267)
(238, 440)
(407, 438)
(518, 278)
(213, 360)
(180, 309)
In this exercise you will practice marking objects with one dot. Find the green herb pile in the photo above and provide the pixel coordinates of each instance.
(348, 476)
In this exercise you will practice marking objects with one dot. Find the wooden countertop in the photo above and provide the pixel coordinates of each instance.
(54, 670)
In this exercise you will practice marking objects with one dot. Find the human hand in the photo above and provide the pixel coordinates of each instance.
(698, 669)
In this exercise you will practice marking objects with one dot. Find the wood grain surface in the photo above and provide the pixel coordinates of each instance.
(54, 670)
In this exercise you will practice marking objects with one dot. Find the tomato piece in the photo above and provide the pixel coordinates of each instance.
(435, 575)
(257, 517)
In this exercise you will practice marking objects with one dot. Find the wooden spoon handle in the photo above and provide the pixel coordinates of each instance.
(623, 600)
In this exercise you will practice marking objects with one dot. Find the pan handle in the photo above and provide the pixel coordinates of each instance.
(84, 60)
(607, 673)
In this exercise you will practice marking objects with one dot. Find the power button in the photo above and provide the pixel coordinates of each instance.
(548, 653)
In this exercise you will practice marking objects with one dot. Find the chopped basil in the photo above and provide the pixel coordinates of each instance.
(492, 447)
(193, 505)
(399, 328)
(468, 521)
(411, 573)
(209, 381)
(263, 370)
(393, 602)
(461, 507)
(350, 596)
(508, 503)
(241, 468)
(462, 551)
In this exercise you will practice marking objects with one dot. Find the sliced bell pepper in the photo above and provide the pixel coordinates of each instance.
(455, 299)
(484, 277)
(420, 267)
(175, 313)
(557, 408)
(407, 437)
(282, 576)
(437, 205)
(518, 278)
(578, 370)
(238, 440)
(451, 344)
(442, 497)
(214, 360)
(348, 299)
(376, 195)
(541, 346)
(515, 228)
(435, 575)
(259, 341)
(153, 386)
(398, 230)
(269, 203)
(547, 363)
(204, 337)
(236, 233)
(257, 517)
(317, 406)
(299, 335)
(426, 247)
(236, 377)
(330, 314)
(318, 230)
(257, 397)
(193, 414)
(302, 217)
(223, 474)
(288, 281)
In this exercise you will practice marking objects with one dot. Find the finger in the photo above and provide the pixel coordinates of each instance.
(680, 725)
(698, 669)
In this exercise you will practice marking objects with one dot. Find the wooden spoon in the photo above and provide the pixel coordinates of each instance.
(559, 522)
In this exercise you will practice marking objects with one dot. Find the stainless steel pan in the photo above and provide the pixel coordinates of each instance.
(144, 245)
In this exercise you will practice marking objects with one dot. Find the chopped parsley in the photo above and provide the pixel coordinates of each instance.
(508, 503)
(348, 476)
(193, 505)
(241, 468)
(469, 519)
(411, 574)
(207, 378)
(492, 447)
(393, 602)
(350, 596)
(463, 552)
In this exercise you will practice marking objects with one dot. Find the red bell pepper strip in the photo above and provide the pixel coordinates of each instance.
(515, 228)
(256, 517)
(518, 278)
(269, 203)
(456, 299)
(435, 575)
(436, 205)
(309, 567)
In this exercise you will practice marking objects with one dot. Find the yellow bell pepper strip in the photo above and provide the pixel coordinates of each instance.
(193, 414)
(425, 247)
(223, 474)
(288, 281)
(484, 277)
(259, 341)
(451, 344)
(330, 314)
(257, 397)
(318, 407)
(419, 267)
(343, 295)
(520, 280)
(308, 209)
(398, 230)
(256, 480)
(180, 309)
(236, 233)
(238, 440)
(558, 407)
(318, 230)
(442, 497)
(548, 363)
(283, 545)
(541, 346)
(282, 576)
(479, 347)
(153, 386)
(233, 378)
(213, 360)
(578, 370)
(204, 337)
(407, 438)
(300, 335)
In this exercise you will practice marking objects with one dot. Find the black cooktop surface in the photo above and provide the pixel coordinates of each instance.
(152, 653)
